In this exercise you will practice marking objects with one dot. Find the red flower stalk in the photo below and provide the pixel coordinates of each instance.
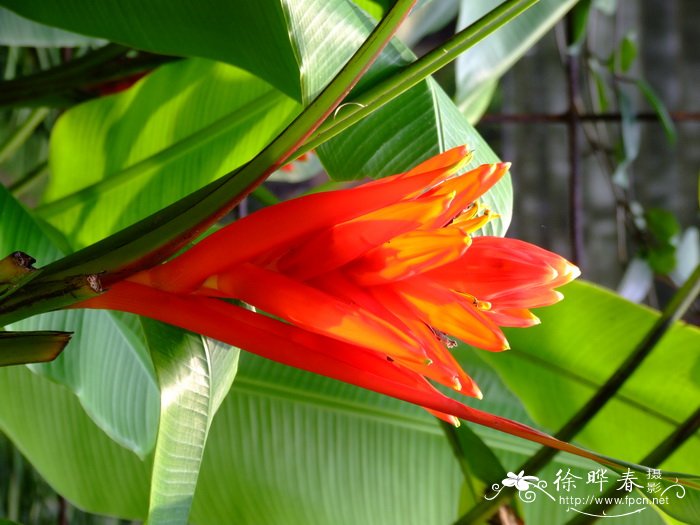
(367, 283)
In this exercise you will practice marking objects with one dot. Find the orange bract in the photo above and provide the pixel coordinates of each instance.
(365, 284)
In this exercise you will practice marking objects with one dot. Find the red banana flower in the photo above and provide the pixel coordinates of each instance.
(364, 285)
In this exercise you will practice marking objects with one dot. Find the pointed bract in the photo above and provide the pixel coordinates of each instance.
(366, 285)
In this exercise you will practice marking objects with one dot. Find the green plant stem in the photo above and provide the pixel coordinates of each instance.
(678, 305)
(155, 238)
(371, 100)
(351, 112)
(22, 133)
(669, 445)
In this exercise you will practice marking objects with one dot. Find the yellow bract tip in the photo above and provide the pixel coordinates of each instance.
(212, 282)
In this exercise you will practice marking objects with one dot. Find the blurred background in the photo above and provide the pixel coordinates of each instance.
(636, 157)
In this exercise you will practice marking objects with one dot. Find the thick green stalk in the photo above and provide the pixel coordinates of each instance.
(675, 309)
(157, 237)
(371, 100)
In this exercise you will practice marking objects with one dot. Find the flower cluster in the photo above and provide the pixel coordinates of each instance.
(366, 285)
